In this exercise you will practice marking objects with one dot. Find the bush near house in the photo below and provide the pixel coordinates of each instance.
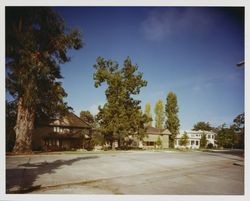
(159, 143)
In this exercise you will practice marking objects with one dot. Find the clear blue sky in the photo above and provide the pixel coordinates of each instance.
(190, 51)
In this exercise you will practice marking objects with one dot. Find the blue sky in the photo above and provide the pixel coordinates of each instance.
(191, 51)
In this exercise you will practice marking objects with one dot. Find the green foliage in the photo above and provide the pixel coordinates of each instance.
(36, 44)
(225, 137)
(159, 142)
(86, 116)
(159, 114)
(148, 113)
(11, 113)
(239, 125)
(184, 139)
(202, 126)
(203, 140)
(121, 116)
(172, 122)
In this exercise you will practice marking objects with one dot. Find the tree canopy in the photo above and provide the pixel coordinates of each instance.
(147, 111)
(36, 45)
(184, 139)
(201, 125)
(203, 141)
(121, 115)
(87, 117)
(159, 114)
(172, 122)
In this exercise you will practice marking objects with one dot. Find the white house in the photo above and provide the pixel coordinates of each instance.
(194, 138)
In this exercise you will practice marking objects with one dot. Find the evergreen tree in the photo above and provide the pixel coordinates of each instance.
(87, 117)
(36, 44)
(159, 114)
(172, 122)
(121, 116)
(147, 112)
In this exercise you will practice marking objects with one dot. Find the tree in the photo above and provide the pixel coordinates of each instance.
(36, 44)
(11, 109)
(172, 122)
(239, 125)
(159, 114)
(203, 140)
(147, 112)
(159, 142)
(121, 115)
(88, 136)
(184, 139)
(87, 117)
(202, 126)
(225, 136)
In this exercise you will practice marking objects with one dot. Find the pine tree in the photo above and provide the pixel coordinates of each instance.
(172, 122)
(36, 44)
(147, 112)
(159, 114)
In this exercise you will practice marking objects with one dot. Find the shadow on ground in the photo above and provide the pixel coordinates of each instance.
(22, 178)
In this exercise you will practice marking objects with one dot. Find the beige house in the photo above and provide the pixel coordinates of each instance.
(154, 135)
(66, 133)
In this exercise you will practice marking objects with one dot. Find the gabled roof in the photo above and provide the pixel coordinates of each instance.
(157, 131)
(69, 120)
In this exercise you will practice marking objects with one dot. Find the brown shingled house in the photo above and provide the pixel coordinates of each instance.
(153, 134)
(66, 133)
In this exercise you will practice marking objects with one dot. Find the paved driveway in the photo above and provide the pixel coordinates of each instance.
(133, 172)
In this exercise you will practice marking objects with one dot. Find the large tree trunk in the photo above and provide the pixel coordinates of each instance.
(24, 127)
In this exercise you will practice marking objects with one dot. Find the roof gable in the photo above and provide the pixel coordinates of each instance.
(157, 131)
(70, 120)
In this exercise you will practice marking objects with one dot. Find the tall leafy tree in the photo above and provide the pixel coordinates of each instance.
(203, 140)
(36, 44)
(159, 114)
(184, 139)
(225, 136)
(239, 125)
(172, 122)
(147, 111)
(201, 125)
(121, 115)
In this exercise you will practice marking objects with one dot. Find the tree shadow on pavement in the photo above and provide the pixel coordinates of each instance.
(22, 178)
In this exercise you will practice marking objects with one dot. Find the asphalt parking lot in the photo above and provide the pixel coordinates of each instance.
(130, 173)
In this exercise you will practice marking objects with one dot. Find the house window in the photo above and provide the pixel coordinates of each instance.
(208, 136)
(150, 143)
(192, 142)
(197, 143)
(212, 136)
